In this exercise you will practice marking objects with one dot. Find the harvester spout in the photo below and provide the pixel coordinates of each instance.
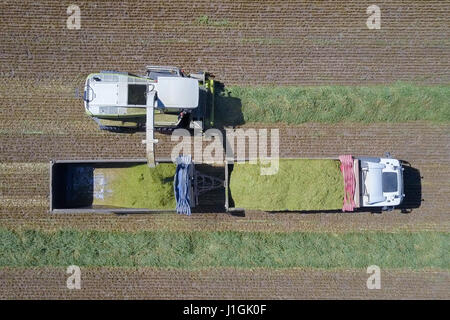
(149, 138)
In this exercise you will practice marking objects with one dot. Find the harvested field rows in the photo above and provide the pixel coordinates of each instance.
(151, 283)
(414, 142)
(311, 42)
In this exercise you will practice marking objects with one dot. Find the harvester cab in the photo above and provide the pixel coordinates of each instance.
(163, 99)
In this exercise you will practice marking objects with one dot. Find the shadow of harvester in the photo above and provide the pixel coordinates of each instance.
(228, 109)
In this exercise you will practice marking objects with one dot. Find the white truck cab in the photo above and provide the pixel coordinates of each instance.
(381, 181)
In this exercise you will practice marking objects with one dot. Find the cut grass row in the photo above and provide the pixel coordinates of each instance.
(398, 102)
(193, 250)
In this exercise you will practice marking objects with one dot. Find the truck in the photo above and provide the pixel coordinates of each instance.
(345, 183)
(328, 184)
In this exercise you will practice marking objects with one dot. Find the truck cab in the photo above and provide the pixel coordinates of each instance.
(381, 181)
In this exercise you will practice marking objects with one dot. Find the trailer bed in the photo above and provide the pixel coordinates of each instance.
(111, 186)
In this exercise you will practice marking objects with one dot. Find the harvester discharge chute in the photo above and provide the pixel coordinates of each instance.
(182, 185)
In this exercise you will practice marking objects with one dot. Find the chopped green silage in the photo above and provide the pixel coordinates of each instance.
(299, 185)
(140, 187)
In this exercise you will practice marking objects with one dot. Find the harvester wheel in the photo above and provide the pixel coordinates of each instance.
(164, 130)
(118, 129)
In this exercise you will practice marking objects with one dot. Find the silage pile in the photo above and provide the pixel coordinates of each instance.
(142, 187)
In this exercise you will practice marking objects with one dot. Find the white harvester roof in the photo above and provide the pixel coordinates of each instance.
(178, 92)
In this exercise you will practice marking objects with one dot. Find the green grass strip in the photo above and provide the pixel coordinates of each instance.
(191, 250)
(398, 102)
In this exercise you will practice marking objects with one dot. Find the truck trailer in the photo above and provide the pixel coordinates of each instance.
(128, 186)
(346, 183)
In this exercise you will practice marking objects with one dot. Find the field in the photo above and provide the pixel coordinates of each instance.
(251, 47)
(398, 102)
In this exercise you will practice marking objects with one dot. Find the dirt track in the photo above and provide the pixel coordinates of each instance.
(148, 283)
(41, 64)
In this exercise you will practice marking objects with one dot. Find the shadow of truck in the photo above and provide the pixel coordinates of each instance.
(412, 182)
